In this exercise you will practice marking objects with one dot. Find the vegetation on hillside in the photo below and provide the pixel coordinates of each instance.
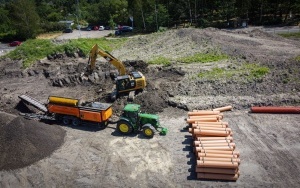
(35, 49)
(250, 71)
(24, 19)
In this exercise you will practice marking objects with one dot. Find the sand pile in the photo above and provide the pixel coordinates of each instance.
(23, 142)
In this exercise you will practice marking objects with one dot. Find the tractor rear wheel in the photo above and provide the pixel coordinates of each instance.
(124, 127)
(148, 130)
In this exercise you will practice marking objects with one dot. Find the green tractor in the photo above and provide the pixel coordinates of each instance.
(132, 120)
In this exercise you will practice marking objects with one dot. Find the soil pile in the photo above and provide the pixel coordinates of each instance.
(23, 142)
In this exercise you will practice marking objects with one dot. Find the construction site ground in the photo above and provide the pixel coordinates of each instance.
(46, 154)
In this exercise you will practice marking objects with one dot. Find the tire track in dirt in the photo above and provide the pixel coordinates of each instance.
(143, 157)
(275, 160)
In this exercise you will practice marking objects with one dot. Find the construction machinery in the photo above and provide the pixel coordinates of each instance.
(125, 82)
(71, 111)
(132, 120)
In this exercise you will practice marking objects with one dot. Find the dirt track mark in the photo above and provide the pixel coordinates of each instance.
(271, 158)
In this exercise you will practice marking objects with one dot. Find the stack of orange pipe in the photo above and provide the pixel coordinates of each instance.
(213, 144)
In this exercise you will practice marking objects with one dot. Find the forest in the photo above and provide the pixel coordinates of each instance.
(28, 18)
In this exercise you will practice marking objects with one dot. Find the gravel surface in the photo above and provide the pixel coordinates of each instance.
(268, 143)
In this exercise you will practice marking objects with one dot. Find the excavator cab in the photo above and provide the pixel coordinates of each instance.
(125, 82)
(129, 84)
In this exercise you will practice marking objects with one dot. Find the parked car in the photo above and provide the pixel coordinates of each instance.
(107, 28)
(101, 28)
(123, 29)
(15, 43)
(126, 29)
(68, 30)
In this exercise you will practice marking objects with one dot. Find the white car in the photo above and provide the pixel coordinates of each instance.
(101, 28)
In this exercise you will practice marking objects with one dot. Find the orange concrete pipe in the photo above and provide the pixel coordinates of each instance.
(194, 125)
(213, 141)
(217, 155)
(276, 109)
(202, 120)
(230, 177)
(217, 164)
(198, 148)
(202, 138)
(224, 148)
(219, 152)
(230, 146)
(207, 116)
(201, 144)
(203, 112)
(217, 170)
(210, 132)
(212, 123)
(222, 109)
(212, 128)
(237, 160)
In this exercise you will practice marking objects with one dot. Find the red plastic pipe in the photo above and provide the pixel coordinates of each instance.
(276, 109)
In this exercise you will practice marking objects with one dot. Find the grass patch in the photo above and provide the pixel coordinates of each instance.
(298, 58)
(203, 58)
(247, 71)
(49, 35)
(35, 49)
(160, 61)
(290, 35)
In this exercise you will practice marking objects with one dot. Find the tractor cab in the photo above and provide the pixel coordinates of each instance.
(132, 120)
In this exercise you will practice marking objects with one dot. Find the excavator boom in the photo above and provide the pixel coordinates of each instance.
(106, 55)
(125, 82)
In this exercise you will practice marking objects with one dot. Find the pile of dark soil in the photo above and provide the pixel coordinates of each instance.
(24, 142)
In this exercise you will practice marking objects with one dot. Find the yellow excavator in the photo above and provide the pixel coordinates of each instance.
(125, 82)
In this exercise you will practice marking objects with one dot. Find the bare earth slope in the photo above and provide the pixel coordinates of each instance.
(268, 143)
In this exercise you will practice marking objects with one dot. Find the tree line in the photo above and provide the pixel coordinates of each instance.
(27, 18)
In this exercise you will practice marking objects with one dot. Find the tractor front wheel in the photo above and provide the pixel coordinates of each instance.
(124, 127)
(148, 131)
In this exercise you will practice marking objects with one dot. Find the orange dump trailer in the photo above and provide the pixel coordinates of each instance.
(70, 111)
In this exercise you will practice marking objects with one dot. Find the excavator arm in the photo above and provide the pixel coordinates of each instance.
(106, 55)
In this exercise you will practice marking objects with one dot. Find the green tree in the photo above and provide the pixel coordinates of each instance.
(5, 25)
(25, 18)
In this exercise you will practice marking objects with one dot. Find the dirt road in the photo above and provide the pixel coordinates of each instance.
(105, 159)
(85, 34)
(268, 143)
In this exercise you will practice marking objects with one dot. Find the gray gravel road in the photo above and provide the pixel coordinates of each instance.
(85, 34)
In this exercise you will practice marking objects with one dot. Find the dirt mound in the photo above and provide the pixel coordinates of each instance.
(23, 142)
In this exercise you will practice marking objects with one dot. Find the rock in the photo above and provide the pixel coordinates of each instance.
(31, 72)
(172, 103)
(96, 76)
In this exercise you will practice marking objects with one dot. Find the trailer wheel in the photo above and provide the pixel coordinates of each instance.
(102, 125)
(148, 130)
(75, 122)
(124, 127)
(65, 121)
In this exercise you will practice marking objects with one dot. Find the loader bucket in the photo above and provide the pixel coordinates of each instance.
(163, 131)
